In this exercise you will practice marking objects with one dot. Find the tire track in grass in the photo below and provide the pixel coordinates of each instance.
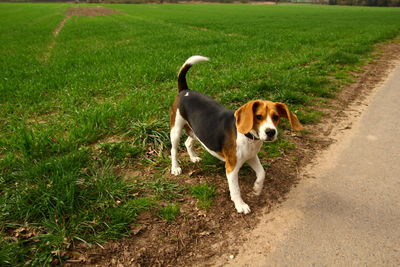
(187, 27)
(60, 26)
(47, 54)
(232, 34)
(75, 11)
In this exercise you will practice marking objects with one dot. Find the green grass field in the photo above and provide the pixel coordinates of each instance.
(94, 99)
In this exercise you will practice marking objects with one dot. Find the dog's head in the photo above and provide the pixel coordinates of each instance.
(261, 118)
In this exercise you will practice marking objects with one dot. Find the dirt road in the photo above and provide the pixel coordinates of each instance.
(347, 211)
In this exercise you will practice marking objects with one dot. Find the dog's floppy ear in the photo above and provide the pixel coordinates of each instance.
(245, 117)
(284, 112)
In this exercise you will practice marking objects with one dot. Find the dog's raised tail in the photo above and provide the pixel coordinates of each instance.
(182, 85)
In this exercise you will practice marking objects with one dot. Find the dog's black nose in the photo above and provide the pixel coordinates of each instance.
(270, 132)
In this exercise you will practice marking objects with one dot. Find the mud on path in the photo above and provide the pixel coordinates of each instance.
(204, 238)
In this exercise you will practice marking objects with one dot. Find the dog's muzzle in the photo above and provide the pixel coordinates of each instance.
(271, 135)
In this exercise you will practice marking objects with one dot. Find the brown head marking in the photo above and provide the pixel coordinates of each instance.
(245, 116)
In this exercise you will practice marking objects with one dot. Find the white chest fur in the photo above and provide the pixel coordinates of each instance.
(246, 148)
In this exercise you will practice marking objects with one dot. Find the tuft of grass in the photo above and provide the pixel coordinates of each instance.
(277, 148)
(292, 97)
(342, 58)
(123, 215)
(119, 152)
(204, 193)
(10, 251)
(153, 136)
(169, 212)
(153, 133)
(310, 117)
(161, 188)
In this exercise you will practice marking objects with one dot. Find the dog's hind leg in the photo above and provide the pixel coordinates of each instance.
(189, 145)
(175, 134)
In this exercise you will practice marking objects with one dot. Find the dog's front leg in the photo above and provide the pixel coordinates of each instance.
(255, 164)
(233, 182)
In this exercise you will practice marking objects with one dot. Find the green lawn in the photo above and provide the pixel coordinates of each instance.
(76, 107)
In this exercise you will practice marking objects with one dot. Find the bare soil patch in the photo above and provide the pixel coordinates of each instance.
(90, 11)
(264, 3)
(197, 237)
(83, 11)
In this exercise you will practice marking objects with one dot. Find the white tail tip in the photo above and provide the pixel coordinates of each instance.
(196, 59)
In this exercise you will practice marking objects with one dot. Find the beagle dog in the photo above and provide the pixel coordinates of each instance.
(234, 137)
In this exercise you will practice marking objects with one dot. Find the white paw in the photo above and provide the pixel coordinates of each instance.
(195, 159)
(242, 208)
(176, 170)
(257, 189)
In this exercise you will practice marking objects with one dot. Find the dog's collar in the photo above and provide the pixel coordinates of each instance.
(251, 136)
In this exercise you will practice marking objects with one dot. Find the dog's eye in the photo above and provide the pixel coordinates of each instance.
(259, 117)
(275, 117)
